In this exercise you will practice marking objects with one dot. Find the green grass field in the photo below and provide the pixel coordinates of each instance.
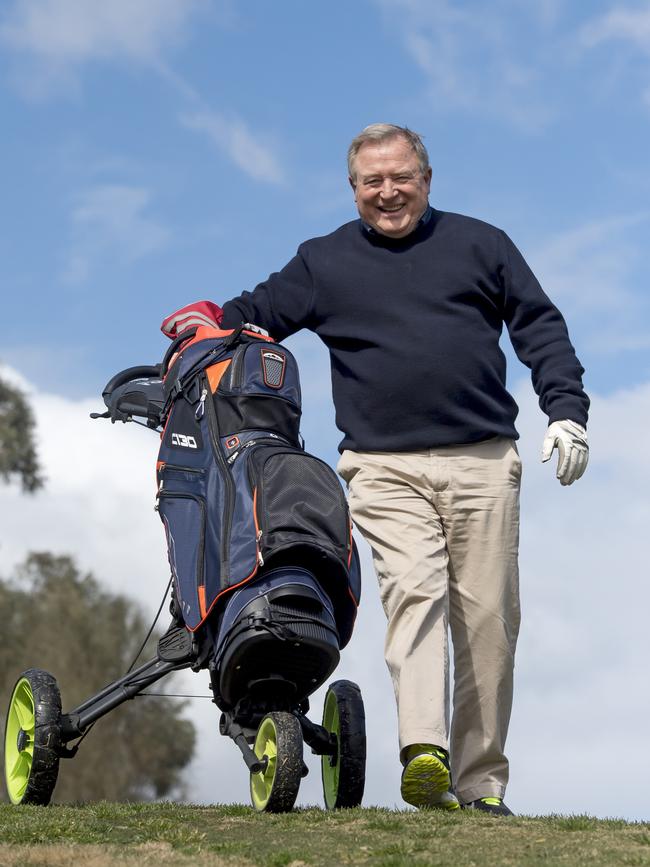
(170, 834)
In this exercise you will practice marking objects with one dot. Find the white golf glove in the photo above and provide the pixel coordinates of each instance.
(570, 439)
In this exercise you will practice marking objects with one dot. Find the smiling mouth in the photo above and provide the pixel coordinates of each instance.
(394, 210)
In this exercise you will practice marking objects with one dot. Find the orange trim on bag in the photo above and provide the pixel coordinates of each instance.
(268, 338)
(206, 332)
(201, 594)
(257, 526)
(205, 613)
(356, 606)
(215, 372)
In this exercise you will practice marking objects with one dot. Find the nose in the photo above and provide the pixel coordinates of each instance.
(388, 190)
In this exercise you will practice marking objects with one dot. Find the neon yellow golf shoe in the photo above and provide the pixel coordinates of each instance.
(426, 778)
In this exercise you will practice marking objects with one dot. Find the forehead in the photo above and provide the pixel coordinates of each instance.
(389, 155)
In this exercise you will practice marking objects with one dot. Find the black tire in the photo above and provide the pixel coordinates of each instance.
(33, 738)
(279, 739)
(344, 774)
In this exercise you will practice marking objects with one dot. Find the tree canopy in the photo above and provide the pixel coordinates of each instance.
(17, 447)
(55, 618)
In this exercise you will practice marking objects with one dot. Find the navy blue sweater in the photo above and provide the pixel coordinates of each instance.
(412, 326)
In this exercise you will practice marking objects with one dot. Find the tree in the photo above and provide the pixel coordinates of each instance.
(55, 618)
(17, 448)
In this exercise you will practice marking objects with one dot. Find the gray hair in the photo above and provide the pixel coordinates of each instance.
(378, 132)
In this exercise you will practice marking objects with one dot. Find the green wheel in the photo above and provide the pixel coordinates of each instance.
(32, 738)
(279, 740)
(344, 773)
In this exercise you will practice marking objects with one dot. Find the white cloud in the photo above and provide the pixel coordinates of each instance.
(52, 39)
(589, 265)
(581, 670)
(592, 272)
(623, 24)
(470, 56)
(627, 24)
(98, 500)
(111, 219)
(254, 153)
(64, 32)
(232, 137)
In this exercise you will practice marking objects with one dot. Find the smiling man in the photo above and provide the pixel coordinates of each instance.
(391, 185)
(411, 302)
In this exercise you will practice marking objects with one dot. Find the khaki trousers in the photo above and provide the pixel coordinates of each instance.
(443, 526)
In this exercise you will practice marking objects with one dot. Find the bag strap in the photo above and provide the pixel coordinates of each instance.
(174, 347)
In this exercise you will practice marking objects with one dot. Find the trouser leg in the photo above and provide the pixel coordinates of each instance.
(480, 511)
(390, 503)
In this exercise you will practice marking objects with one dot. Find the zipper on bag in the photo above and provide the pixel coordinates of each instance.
(195, 471)
(175, 468)
(200, 410)
(236, 366)
(271, 439)
(213, 428)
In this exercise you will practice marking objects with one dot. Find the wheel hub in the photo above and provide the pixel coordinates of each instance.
(22, 740)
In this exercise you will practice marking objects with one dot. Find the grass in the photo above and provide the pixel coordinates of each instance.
(234, 836)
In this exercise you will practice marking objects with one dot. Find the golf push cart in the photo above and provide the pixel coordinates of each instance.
(265, 575)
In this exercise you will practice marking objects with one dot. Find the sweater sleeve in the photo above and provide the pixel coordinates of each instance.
(282, 304)
(540, 338)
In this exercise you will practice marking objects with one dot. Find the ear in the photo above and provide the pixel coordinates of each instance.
(354, 187)
(427, 177)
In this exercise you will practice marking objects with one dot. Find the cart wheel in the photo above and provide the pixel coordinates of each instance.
(279, 740)
(32, 738)
(344, 773)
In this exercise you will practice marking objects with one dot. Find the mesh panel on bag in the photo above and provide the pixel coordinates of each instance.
(273, 365)
(300, 476)
(301, 494)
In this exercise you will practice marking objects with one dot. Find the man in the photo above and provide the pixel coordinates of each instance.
(410, 302)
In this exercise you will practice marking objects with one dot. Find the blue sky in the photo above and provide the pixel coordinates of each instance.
(184, 150)
(158, 152)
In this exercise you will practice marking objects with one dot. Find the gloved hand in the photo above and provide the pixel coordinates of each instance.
(570, 439)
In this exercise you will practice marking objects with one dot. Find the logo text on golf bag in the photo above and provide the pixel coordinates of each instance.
(184, 440)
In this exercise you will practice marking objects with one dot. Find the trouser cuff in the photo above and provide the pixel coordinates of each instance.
(436, 739)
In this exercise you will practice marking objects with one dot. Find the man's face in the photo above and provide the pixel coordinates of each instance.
(389, 188)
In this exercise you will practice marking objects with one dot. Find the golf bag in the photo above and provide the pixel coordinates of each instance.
(258, 532)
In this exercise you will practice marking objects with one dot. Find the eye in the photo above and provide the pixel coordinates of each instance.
(372, 182)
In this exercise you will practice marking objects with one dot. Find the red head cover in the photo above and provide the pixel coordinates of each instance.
(198, 313)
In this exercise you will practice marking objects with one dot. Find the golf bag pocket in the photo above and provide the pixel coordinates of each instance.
(260, 391)
(299, 504)
(184, 519)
